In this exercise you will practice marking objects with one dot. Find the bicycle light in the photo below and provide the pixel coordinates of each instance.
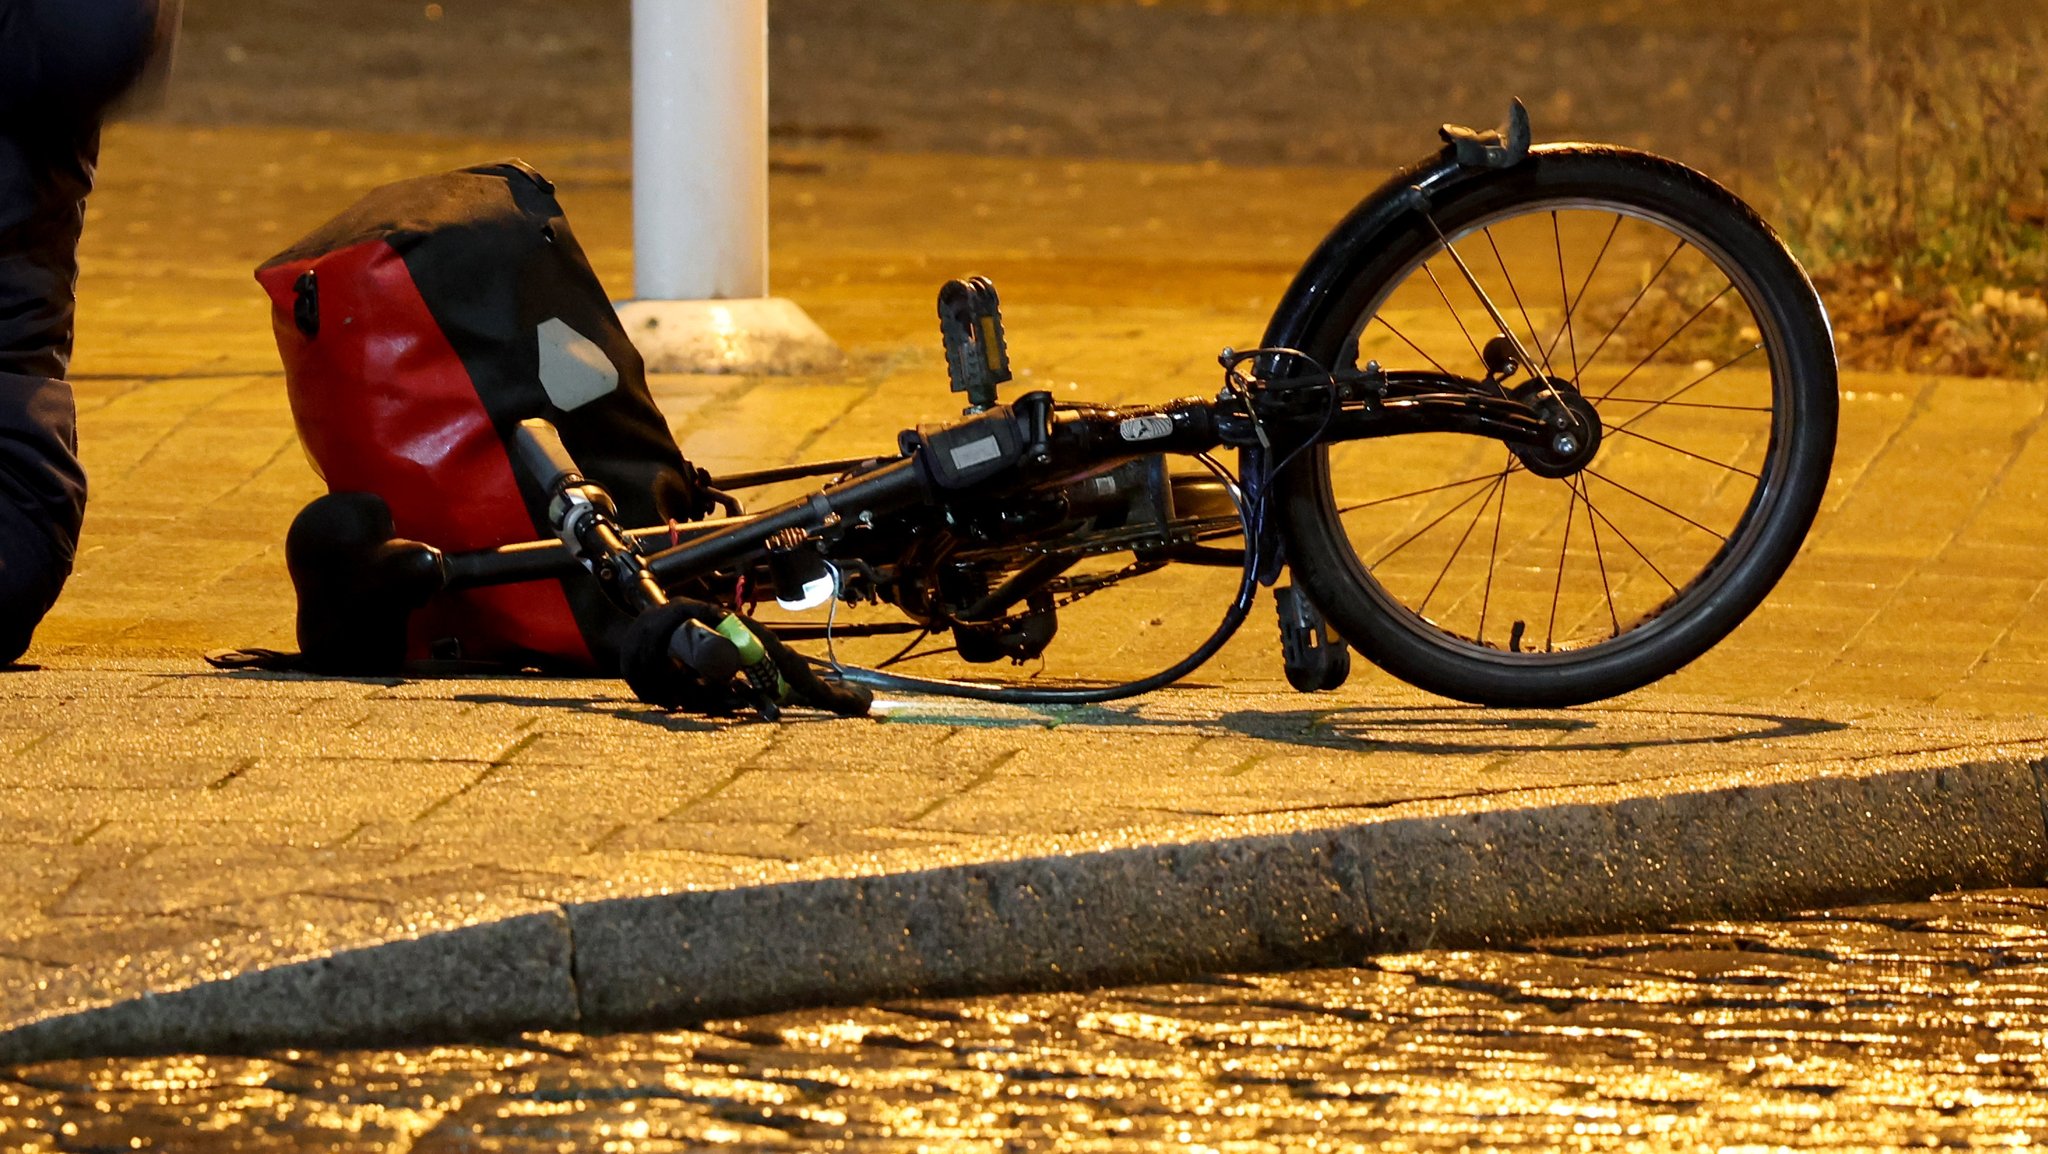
(802, 578)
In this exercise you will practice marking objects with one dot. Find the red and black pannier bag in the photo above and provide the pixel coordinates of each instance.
(418, 328)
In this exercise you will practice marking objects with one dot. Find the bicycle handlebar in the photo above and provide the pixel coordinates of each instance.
(538, 450)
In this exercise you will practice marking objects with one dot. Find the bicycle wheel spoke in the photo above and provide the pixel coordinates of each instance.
(1703, 379)
(1668, 403)
(1609, 522)
(1440, 519)
(1416, 493)
(1493, 555)
(1682, 452)
(1460, 546)
(1599, 555)
(1573, 308)
(1564, 294)
(1659, 504)
(1411, 344)
(1557, 591)
(1516, 293)
(1666, 342)
(1445, 297)
(1630, 310)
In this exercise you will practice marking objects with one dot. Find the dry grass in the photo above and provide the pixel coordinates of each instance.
(1923, 208)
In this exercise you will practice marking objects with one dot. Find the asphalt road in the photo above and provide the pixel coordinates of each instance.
(1883, 1026)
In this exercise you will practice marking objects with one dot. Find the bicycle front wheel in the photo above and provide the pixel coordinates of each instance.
(1667, 306)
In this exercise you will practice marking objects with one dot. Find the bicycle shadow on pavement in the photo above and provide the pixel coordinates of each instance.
(1423, 729)
(1466, 731)
(596, 704)
(1448, 730)
(611, 707)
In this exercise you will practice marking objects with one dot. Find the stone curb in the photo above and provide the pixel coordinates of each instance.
(1577, 861)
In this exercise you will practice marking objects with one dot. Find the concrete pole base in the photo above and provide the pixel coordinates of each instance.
(770, 335)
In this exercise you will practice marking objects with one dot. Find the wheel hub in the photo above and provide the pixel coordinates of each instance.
(1573, 428)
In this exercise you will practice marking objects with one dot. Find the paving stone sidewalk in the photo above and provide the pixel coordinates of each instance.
(168, 824)
(164, 823)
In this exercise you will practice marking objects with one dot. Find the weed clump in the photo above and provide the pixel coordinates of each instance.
(1921, 203)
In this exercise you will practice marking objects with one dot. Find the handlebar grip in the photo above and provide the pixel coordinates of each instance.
(537, 448)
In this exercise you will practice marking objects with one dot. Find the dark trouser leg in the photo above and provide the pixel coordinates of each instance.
(44, 177)
(61, 61)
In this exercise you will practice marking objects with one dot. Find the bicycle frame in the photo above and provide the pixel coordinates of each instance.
(1032, 442)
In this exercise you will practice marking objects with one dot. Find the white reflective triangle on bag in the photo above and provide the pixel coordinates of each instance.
(573, 370)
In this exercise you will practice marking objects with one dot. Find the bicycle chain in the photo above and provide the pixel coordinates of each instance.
(1104, 581)
(1137, 537)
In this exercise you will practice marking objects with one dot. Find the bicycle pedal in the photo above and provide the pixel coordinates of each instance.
(1315, 660)
(971, 326)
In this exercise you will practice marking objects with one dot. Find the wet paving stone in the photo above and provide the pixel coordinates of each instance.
(1881, 1027)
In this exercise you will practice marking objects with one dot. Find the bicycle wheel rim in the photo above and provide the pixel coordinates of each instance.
(1702, 581)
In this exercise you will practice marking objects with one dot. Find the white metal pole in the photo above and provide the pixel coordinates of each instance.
(700, 197)
(700, 149)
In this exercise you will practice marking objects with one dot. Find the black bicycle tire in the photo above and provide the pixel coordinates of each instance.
(1773, 526)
